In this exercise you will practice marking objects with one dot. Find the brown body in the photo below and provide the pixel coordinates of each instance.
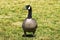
(29, 25)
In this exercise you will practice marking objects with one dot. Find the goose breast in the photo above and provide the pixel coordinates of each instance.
(29, 23)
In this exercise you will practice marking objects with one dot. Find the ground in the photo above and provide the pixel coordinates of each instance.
(45, 12)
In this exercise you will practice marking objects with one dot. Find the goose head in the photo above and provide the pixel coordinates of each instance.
(28, 7)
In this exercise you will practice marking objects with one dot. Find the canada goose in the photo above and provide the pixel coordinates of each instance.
(29, 24)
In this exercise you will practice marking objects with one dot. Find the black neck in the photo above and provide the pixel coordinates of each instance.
(30, 13)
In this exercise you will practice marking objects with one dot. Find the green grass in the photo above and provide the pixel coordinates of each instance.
(46, 13)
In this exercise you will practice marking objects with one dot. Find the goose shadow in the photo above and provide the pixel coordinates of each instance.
(28, 35)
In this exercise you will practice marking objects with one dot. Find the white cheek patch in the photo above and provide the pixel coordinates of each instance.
(29, 8)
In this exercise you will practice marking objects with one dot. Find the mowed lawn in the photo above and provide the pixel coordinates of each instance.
(46, 13)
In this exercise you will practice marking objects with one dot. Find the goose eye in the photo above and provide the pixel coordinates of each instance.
(28, 7)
